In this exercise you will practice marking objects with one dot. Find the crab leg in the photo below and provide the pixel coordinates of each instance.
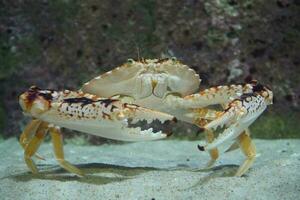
(29, 130)
(248, 148)
(212, 96)
(214, 153)
(59, 153)
(236, 145)
(33, 146)
(199, 114)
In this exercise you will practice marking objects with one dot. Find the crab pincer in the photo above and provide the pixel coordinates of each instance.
(105, 117)
(239, 115)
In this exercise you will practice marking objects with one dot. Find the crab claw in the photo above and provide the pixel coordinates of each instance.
(126, 127)
(105, 117)
(108, 118)
(240, 114)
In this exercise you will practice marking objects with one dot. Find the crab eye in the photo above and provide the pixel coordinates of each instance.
(130, 61)
(174, 59)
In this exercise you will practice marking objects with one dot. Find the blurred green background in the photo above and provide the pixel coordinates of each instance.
(60, 44)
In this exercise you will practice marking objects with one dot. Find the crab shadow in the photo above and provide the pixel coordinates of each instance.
(101, 174)
(95, 173)
(221, 171)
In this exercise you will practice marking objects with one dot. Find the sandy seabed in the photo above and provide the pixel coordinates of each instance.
(157, 170)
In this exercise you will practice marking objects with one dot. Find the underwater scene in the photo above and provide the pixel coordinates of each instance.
(149, 99)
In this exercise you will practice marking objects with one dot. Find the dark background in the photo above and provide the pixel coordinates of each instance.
(60, 44)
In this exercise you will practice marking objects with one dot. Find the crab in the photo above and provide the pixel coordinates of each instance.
(169, 86)
(105, 117)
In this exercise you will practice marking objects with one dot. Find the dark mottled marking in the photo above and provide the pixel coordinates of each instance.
(161, 60)
(83, 100)
(31, 96)
(245, 95)
(34, 88)
(47, 96)
(175, 120)
(107, 102)
(142, 61)
(106, 116)
(201, 148)
(86, 101)
(169, 133)
(112, 108)
(226, 110)
(131, 105)
(230, 105)
(258, 88)
(34, 92)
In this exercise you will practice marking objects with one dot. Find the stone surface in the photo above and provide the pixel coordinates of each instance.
(152, 170)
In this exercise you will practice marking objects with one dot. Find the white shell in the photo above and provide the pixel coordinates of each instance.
(134, 79)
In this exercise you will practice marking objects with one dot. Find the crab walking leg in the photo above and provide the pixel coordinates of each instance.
(248, 148)
(214, 153)
(28, 132)
(201, 117)
(26, 135)
(59, 152)
(236, 145)
(33, 146)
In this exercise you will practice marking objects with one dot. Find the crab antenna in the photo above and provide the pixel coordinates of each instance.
(138, 52)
